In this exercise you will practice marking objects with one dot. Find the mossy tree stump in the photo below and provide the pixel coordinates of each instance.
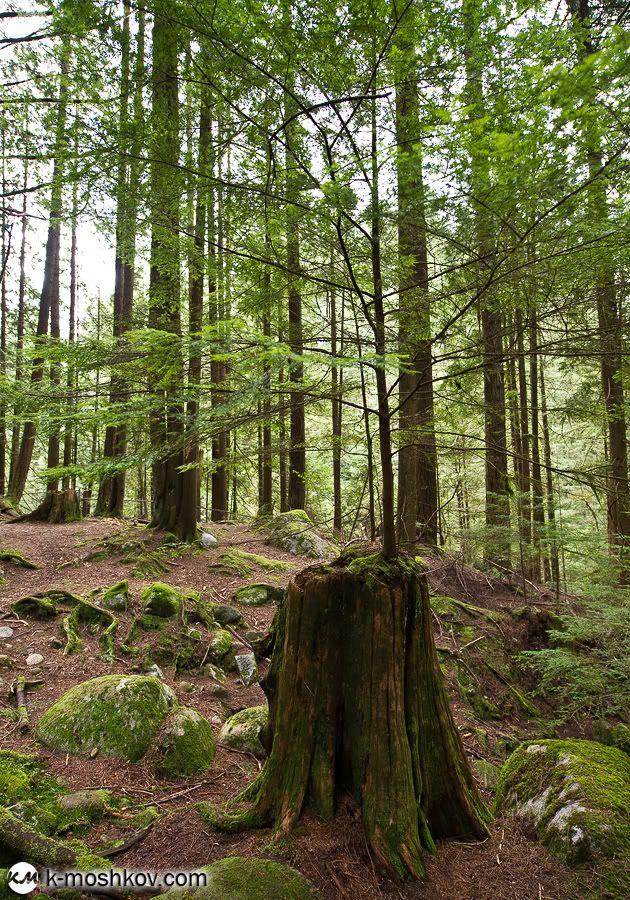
(357, 705)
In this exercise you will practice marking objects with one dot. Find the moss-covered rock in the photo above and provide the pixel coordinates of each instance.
(185, 746)
(577, 793)
(221, 644)
(224, 614)
(248, 878)
(295, 533)
(116, 597)
(241, 731)
(259, 594)
(120, 715)
(161, 600)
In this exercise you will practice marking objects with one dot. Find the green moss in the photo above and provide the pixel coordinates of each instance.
(87, 613)
(161, 600)
(116, 597)
(220, 645)
(248, 878)
(186, 745)
(576, 792)
(241, 730)
(35, 607)
(119, 715)
(481, 705)
(295, 533)
(259, 594)
(614, 735)
(7, 554)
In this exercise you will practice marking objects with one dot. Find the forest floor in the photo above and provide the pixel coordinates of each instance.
(489, 621)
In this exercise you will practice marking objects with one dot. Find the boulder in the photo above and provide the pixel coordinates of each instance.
(577, 795)
(161, 600)
(247, 668)
(248, 878)
(116, 597)
(207, 540)
(220, 645)
(185, 746)
(120, 715)
(225, 614)
(295, 533)
(241, 731)
(259, 594)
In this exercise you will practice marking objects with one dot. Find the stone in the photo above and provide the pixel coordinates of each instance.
(217, 690)
(247, 668)
(295, 533)
(220, 645)
(155, 670)
(56, 643)
(186, 686)
(259, 594)
(5, 661)
(577, 795)
(208, 540)
(5, 632)
(225, 614)
(34, 659)
(241, 731)
(248, 878)
(215, 672)
(161, 600)
(185, 746)
(120, 715)
(116, 597)
(92, 803)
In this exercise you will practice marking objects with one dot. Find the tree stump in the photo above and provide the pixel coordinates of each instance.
(56, 507)
(358, 705)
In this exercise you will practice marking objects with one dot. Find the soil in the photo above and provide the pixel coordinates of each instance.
(509, 865)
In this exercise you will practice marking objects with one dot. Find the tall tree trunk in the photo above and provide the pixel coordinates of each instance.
(608, 317)
(69, 428)
(525, 484)
(49, 298)
(297, 433)
(265, 506)
(170, 497)
(5, 251)
(538, 500)
(417, 478)
(337, 408)
(195, 322)
(552, 570)
(19, 343)
(496, 481)
(107, 502)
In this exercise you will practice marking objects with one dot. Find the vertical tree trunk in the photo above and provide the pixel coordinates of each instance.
(69, 429)
(49, 298)
(552, 568)
(19, 344)
(265, 505)
(170, 497)
(497, 486)
(525, 485)
(297, 433)
(538, 500)
(609, 322)
(337, 388)
(5, 251)
(417, 478)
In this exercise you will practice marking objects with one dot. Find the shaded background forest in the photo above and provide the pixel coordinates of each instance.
(319, 222)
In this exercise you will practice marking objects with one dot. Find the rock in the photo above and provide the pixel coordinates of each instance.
(576, 793)
(5, 632)
(247, 668)
(56, 643)
(161, 600)
(225, 614)
(295, 533)
(156, 671)
(186, 745)
(120, 715)
(240, 731)
(116, 597)
(91, 803)
(217, 690)
(34, 659)
(186, 686)
(487, 773)
(5, 661)
(215, 672)
(259, 594)
(221, 643)
(248, 878)
(208, 540)
(614, 735)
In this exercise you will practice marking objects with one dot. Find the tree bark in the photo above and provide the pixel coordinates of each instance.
(358, 706)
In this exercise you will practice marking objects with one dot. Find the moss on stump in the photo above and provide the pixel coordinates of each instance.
(357, 705)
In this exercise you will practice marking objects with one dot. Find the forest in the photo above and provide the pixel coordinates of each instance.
(314, 467)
